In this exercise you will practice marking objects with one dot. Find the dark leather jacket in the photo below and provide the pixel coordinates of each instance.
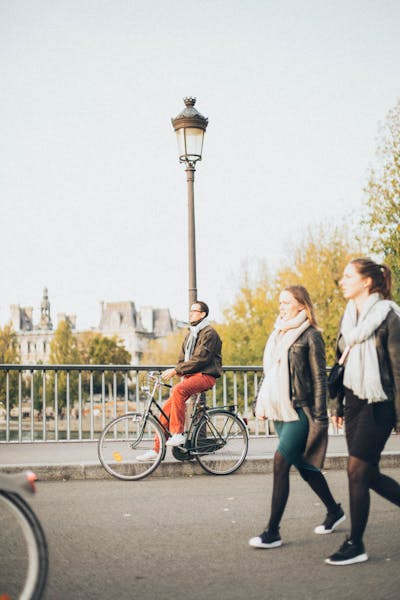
(307, 371)
(206, 357)
(387, 339)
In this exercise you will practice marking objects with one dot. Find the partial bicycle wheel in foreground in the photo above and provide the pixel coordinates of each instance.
(23, 546)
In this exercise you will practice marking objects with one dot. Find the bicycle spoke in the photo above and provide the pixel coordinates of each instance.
(220, 442)
(124, 443)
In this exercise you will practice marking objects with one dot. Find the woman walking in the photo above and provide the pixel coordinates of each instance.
(293, 395)
(370, 336)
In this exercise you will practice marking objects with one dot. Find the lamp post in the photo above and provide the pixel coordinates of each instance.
(189, 127)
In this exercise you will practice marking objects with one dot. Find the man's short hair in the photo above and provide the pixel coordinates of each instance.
(203, 306)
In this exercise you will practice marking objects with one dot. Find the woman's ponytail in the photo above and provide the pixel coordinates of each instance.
(380, 275)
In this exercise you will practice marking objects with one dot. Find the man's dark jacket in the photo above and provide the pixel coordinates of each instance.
(206, 357)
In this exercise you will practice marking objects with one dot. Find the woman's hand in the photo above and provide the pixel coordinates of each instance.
(337, 422)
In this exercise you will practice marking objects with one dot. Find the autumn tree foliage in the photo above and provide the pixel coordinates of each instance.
(383, 197)
(249, 319)
(318, 264)
(9, 354)
(164, 351)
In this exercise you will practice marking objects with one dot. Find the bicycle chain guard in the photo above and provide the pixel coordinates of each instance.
(181, 453)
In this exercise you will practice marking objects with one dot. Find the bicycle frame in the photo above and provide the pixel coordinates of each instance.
(147, 410)
(196, 411)
(195, 415)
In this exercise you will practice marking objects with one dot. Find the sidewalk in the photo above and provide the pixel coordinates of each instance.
(78, 460)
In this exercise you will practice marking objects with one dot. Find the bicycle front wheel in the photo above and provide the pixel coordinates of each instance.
(220, 442)
(125, 445)
(23, 550)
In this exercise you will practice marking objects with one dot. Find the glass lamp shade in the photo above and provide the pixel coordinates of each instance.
(190, 143)
(190, 126)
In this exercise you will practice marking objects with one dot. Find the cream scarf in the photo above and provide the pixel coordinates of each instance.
(192, 338)
(273, 400)
(362, 367)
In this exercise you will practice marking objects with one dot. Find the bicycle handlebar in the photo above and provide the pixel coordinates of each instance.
(157, 377)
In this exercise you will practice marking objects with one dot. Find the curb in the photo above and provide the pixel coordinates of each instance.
(91, 471)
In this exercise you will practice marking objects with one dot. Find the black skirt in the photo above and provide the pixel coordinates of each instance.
(368, 426)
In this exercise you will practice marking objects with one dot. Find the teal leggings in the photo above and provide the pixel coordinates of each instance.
(292, 440)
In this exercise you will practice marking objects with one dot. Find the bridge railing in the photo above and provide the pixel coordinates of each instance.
(42, 403)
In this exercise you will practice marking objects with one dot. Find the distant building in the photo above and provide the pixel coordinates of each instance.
(34, 339)
(134, 327)
(118, 319)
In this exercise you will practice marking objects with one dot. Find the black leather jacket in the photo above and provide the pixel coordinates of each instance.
(307, 371)
(387, 339)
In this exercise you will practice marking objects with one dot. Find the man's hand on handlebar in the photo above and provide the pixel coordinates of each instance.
(168, 374)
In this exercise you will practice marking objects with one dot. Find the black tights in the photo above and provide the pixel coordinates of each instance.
(280, 490)
(364, 476)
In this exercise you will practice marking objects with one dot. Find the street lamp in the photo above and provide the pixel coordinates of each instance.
(190, 126)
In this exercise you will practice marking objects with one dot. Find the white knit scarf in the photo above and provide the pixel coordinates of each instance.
(194, 332)
(362, 367)
(273, 400)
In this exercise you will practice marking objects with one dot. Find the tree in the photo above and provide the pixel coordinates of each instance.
(8, 346)
(9, 355)
(64, 351)
(383, 197)
(64, 346)
(96, 349)
(318, 264)
(249, 320)
(164, 351)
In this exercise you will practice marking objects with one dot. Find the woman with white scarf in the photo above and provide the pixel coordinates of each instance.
(293, 395)
(369, 338)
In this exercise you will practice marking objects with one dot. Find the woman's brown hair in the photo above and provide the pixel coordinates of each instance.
(303, 297)
(380, 275)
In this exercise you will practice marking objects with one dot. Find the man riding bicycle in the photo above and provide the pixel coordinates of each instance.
(200, 364)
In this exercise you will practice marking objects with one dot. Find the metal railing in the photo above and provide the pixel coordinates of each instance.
(43, 403)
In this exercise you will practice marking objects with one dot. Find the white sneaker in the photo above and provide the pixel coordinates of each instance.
(147, 456)
(177, 439)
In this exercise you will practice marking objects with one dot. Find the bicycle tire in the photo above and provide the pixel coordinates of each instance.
(34, 539)
(220, 442)
(123, 440)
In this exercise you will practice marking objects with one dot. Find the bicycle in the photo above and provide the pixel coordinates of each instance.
(23, 546)
(216, 437)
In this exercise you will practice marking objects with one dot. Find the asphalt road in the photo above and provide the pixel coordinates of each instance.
(187, 538)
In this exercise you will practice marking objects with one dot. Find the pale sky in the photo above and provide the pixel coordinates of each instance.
(93, 199)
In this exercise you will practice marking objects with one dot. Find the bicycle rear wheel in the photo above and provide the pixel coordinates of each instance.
(220, 442)
(124, 440)
(23, 549)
